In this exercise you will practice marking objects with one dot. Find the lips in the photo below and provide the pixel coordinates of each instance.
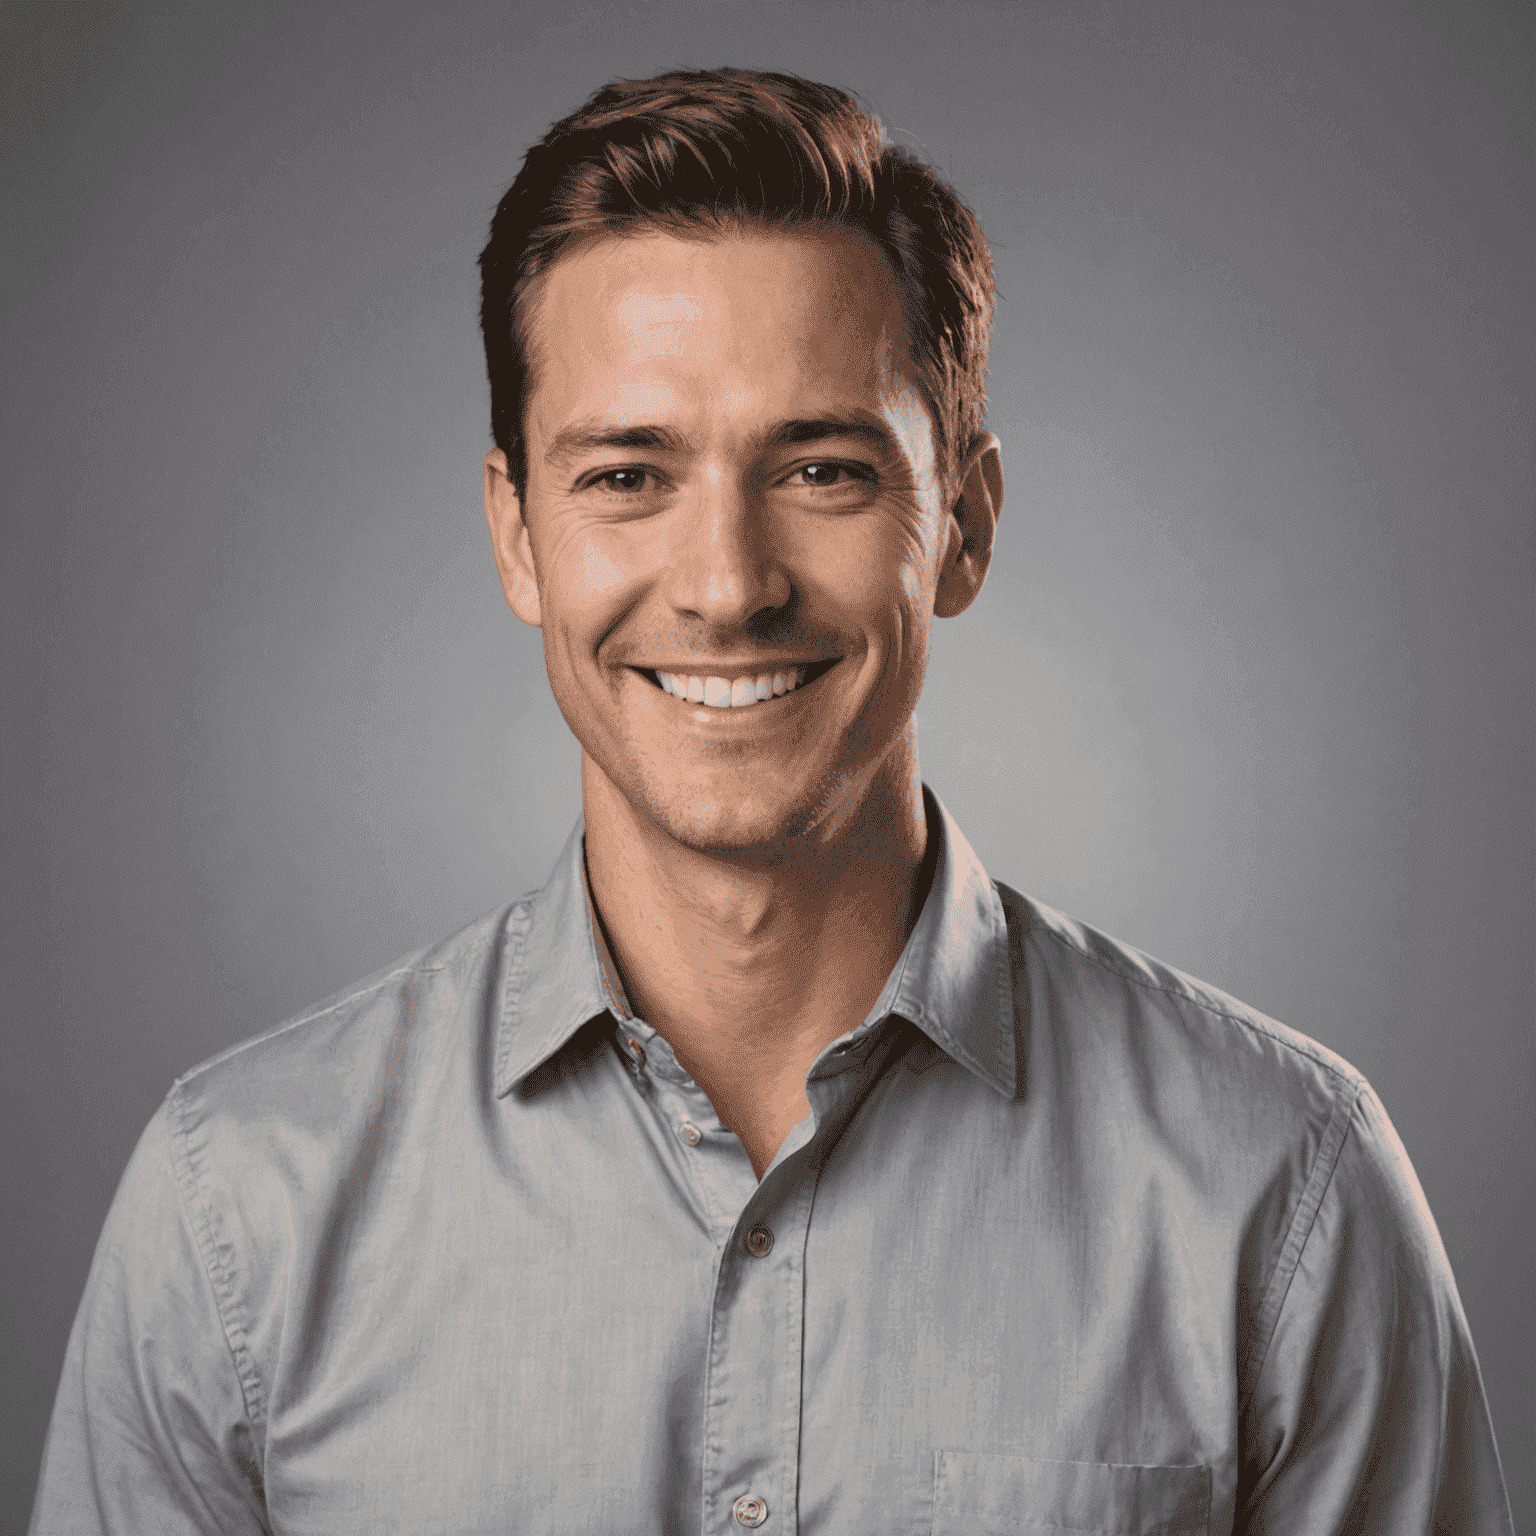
(741, 691)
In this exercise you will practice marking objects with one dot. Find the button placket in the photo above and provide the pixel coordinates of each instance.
(752, 1401)
(710, 1164)
(754, 1382)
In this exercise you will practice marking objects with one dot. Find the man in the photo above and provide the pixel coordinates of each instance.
(771, 1166)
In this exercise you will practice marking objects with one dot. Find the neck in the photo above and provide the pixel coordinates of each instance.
(750, 963)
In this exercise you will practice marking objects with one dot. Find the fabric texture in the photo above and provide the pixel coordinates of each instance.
(1069, 1243)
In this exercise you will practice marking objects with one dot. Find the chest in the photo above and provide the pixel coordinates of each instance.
(894, 1332)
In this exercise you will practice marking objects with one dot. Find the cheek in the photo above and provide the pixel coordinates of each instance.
(598, 572)
(877, 576)
(917, 584)
(588, 575)
(913, 566)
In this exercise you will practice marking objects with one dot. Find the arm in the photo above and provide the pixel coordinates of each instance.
(150, 1429)
(1368, 1415)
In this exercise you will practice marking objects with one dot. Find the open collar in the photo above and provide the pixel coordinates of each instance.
(953, 979)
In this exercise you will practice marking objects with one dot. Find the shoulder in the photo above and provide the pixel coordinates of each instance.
(1253, 1141)
(1088, 1000)
(327, 1061)
(277, 1124)
(273, 1142)
(1168, 1093)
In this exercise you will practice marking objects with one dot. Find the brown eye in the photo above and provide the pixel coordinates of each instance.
(624, 481)
(822, 474)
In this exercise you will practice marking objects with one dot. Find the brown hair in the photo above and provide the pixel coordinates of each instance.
(721, 147)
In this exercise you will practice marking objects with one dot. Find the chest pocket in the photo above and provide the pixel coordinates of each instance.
(984, 1495)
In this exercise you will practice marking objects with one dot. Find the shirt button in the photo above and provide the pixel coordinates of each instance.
(690, 1133)
(759, 1241)
(750, 1510)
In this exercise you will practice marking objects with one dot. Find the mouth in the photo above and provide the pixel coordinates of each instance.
(738, 692)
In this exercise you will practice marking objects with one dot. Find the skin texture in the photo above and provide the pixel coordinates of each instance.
(757, 870)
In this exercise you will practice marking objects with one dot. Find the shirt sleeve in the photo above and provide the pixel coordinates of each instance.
(1369, 1415)
(150, 1430)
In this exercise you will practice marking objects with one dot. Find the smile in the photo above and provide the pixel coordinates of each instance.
(739, 692)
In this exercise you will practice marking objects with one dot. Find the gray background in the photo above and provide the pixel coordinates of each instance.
(1250, 686)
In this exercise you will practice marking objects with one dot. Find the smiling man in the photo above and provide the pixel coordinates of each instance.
(734, 534)
(772, 1166)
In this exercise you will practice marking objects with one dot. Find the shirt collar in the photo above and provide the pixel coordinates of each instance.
(953, 980)
(552, 980)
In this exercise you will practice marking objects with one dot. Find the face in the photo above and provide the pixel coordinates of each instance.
(733, 537)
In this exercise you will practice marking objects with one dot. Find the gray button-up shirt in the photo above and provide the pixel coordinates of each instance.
(1069, 1243)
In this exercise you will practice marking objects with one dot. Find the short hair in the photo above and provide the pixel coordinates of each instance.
(718, 148)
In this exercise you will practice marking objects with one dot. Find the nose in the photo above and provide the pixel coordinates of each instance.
(725, 566)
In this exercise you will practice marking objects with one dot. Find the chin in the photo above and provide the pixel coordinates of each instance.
(728, 824)
(730, 829)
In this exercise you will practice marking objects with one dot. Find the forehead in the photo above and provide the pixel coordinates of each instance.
(743, 319)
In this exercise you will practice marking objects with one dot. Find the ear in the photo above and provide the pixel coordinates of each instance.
(973, 526)
(510, 541)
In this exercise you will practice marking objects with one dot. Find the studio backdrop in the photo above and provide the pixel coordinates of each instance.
(1250, 685)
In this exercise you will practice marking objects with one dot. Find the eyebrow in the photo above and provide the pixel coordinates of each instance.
(586, 437)
(819, 429)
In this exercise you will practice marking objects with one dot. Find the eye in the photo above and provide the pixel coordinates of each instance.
(622, 482)
(827, 475)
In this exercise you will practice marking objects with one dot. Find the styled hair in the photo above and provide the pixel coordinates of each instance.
(720, 148)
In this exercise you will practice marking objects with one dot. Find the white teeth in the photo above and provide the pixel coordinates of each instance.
(725, 693)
